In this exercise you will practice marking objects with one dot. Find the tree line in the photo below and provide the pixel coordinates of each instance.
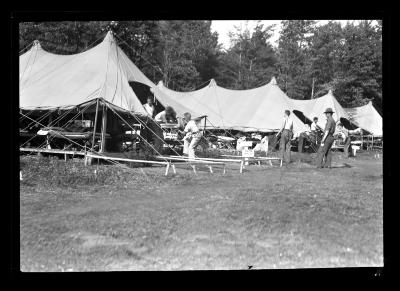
(309, 59)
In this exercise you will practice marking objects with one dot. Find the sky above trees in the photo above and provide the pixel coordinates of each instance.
(223, 27)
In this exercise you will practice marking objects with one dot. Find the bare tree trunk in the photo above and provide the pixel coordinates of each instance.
(312, 88)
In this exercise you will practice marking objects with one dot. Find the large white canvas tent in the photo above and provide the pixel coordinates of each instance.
(366, 117)
(315, 108)
(260, 109)
(49, 80)
(57, 81)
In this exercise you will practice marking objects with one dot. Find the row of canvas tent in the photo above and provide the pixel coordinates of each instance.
(51, 81)
(261, 109)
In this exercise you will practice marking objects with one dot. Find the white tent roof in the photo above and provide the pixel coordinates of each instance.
(315, 108)
(49, 80)
(259, 109)
(366, 117)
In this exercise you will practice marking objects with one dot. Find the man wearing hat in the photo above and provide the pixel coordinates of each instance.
(287, 134)
(324, 156)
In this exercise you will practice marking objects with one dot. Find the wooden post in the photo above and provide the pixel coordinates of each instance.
(205, 123)
(95, 124)
(88, 160)
(103, 129)
(241, 167)
(173, 168)
(167, 169)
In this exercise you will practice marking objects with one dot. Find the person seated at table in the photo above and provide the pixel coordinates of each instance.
(316, 131)
(263, 145)
(166, 116)
(192, 134)
(302, 136)
(240, 140)
(314, 125)
(344, 134)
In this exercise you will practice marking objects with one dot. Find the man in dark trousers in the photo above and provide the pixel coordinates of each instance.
(324, 155)
(287, 134)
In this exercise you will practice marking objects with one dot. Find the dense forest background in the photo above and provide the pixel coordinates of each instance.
(308, 61)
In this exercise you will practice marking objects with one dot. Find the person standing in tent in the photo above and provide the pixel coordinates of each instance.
(286, 137)
(324, 155)
(192, 133)
(149, 107)
(166, 116)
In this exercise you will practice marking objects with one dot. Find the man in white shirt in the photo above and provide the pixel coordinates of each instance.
(314, 126)
(192, 135)
(287, 133)
(149, 107)
(316, 131)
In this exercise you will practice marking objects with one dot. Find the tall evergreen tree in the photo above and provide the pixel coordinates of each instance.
(250, 61)
(294, 57)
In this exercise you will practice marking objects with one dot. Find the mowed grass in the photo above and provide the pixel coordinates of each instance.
(73, 219)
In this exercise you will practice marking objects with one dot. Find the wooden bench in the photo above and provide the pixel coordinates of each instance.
(256, 159)
(196, 161)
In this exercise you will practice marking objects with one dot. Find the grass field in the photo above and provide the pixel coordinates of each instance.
(73, 219)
